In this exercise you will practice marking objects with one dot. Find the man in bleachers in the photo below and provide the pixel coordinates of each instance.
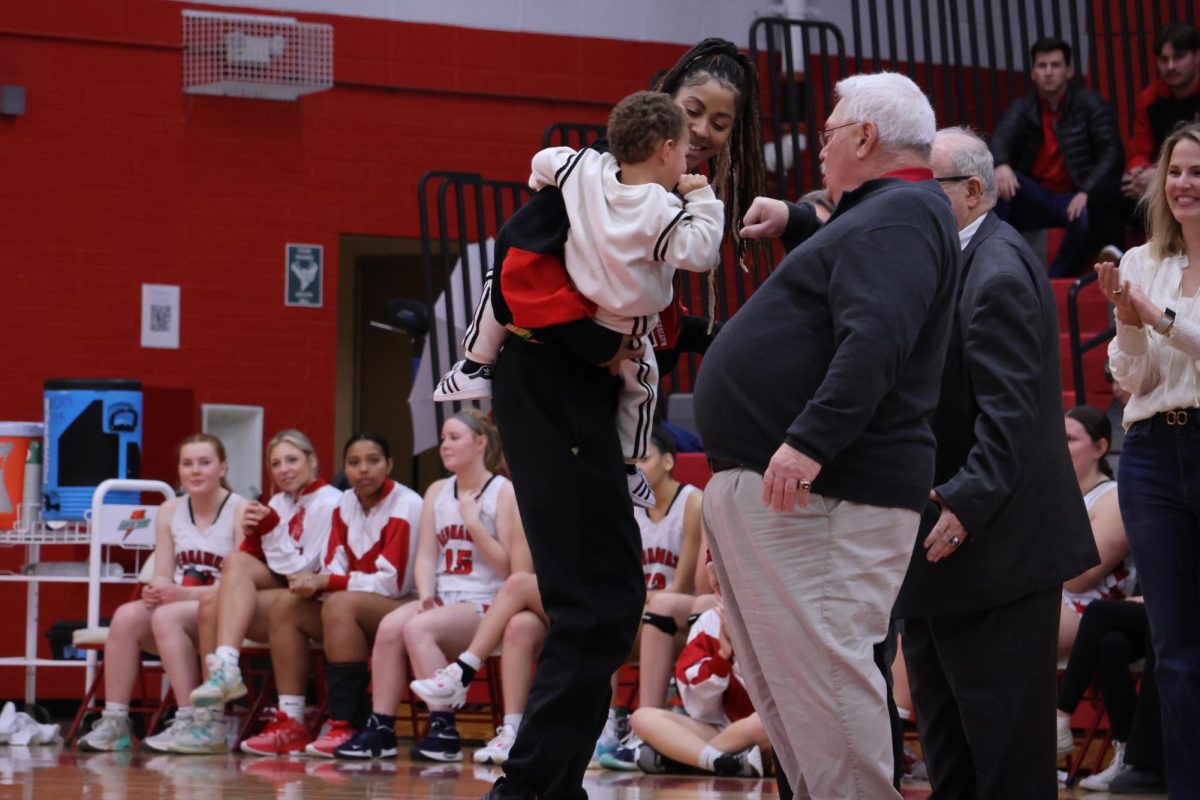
(1058, 160)
(1170, 100)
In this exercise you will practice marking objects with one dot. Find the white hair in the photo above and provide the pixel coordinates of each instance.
(896, 106)
(970, 156)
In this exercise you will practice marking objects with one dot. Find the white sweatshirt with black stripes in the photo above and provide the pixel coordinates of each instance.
(626, 242)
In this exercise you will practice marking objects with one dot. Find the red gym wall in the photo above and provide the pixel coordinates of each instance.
(114, 178)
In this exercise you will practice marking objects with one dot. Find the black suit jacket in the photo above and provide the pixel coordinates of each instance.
(1002, 462)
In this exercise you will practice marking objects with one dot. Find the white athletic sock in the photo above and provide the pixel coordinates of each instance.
(185, 712)
(292, 705)
(708, 757)
(471, 660)
(116, 709)
(229, 655)
(514, 720)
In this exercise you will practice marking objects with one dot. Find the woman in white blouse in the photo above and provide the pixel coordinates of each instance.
(1156, 357)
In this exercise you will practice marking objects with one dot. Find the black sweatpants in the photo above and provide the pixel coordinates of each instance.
(557, 419)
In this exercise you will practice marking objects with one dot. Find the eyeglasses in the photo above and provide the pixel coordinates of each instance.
(954, 178)
(823, 136)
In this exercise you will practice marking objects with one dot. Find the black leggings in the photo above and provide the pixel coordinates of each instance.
(1112, 635)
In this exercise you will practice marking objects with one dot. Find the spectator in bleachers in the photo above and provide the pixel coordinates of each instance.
(193, 535)
(1058, 159)
(1088, 435)
(286, 536)
(1172, 99)
(1154, 356)
(1007, 525)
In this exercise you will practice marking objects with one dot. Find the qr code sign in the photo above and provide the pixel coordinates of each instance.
(160, 319)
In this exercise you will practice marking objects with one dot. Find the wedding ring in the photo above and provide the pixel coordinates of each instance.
(805, 486)
(1117, 291)
(955, 541)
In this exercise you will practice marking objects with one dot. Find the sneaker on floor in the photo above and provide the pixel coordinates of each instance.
(747, 764)
(624, 758)
(281, 736)
(441, 742)
(1138, 781)
(496, 751)
(445, 688)
(458, 385)
(206, 733)
(110, 732)
(1101, 780)
(653, 762)
(336, 735)
(373, 741)
(639, 489)
(1110, 254)
(224, 683)
(1066, 739)
(163, 740)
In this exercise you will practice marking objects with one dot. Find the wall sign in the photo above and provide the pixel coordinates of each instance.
(304, 265)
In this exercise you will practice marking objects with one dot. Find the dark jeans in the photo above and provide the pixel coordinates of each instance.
(556, 415)
(1033, 208)
(1112, 634)
(1160, 502)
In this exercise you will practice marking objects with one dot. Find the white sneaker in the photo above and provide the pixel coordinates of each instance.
(1100, 781)
(496, 751)
(639, 489)
(110, 732)
(163, 740)
(1066, 739)
(458, 385)
(445, 688)
(224, 684)
(206, 734)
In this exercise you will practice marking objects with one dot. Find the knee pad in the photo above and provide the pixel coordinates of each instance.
(661, 621)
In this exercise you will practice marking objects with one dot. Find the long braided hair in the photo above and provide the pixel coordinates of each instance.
(736, 173)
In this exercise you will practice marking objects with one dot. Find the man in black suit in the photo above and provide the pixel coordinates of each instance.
(1005, 525)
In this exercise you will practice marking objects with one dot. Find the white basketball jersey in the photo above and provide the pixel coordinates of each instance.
(662, 541)
(1116, 585)
(459, 569)
(298, 542)
(203, 551)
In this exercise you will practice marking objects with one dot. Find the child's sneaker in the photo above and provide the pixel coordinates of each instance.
(747, 764)
(441, 742)
(459, 385)
(281, 736)
(445, 688)
(639, 489)
(624, 758)
(373, 741)
(162, 740)
(205, 734)
(224, 684)
(496, 751)
(110, 732)
(338, 733)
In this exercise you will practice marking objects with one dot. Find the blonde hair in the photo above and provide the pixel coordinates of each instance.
(481, 425)
(298, 440)
(1166, 234)
(205, 438)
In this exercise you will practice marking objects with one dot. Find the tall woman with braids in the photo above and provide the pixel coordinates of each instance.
(555, 400)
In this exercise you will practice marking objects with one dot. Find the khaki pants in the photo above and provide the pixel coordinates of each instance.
(807, 595)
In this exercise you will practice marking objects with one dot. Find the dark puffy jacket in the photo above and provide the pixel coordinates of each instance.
(1087, 136)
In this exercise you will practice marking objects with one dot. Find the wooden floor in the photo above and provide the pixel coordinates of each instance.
(55, 773)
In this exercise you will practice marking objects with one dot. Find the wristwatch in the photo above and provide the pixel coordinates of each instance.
(1165, 323)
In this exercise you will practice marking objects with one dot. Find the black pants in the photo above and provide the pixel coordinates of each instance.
(1112, 635)
(557, 419)
(983, 684)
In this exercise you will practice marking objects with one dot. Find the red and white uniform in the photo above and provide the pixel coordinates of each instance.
(297, 543)
(205, 550)
(1116, 585)
(374, 552)
(662, 541)
(710, 686)
(462, 575)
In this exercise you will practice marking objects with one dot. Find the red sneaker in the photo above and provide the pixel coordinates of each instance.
(338, 734)
(281, 736)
